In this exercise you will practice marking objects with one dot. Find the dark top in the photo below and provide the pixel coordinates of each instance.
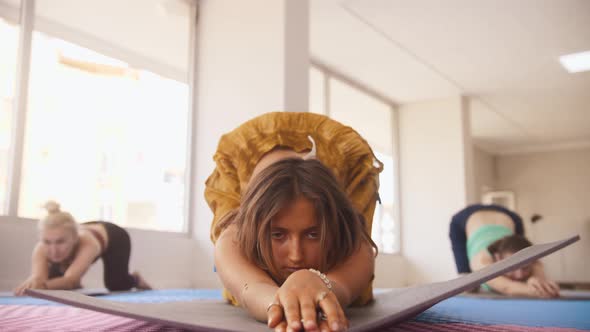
(458, 234)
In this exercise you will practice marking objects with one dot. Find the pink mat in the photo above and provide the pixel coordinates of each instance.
(19, 318)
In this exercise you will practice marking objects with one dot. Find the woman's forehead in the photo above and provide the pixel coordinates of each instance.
(298, 214)
(54, 232)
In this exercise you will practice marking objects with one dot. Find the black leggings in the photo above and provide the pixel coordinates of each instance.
(116, 258)
(458, 234)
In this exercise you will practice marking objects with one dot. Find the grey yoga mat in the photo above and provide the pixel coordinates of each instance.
(388, 308)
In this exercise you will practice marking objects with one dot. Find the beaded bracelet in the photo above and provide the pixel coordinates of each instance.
(323, 277)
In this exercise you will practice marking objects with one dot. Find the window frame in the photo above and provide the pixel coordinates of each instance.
(25, 18)
(328, 74)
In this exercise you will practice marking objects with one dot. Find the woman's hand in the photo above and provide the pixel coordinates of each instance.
(542, 287)
(297, 302)
(31, 283)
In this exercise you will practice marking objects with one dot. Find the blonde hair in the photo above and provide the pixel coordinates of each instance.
(57, 218)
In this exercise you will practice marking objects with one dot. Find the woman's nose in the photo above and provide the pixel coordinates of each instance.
(295, 250)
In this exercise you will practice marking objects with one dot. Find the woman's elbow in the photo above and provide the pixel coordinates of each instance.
(368, 255)
(219, 252)
(72, 282)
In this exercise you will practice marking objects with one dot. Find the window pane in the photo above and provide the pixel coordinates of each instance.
(316, 91)
(9, 36)
(143, 33)
(385, 229)
(367, 115)
(106, 135)
(373, 120)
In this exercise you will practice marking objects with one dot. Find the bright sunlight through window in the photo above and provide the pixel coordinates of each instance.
(9, 38)
(105, 140)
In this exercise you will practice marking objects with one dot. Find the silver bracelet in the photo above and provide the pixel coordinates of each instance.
(323, 277)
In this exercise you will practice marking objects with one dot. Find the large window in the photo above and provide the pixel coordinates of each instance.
(374, 119)
(108, 113)
(9, 33)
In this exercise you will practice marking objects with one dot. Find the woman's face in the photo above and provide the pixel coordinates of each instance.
(295, 238)
(520, 274)
(59, 243)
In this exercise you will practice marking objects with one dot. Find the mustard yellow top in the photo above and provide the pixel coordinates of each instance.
(339, 147)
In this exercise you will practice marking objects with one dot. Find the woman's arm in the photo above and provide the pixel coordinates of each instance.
(354, 275)
(251, 286)
(39, 271)
(87, 252)
(531, 288)
(501, 284)
(39, 268)
(255, 289)
(507, 286)
(538, 270)
(541, 283)
(348, 281)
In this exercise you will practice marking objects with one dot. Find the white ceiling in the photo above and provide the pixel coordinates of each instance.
(501, 53)
(150, 34)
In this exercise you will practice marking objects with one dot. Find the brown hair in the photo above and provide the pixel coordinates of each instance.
(509, 244)
(342, 228)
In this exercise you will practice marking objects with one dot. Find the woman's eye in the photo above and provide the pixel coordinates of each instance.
(313, 235)
(276, 235)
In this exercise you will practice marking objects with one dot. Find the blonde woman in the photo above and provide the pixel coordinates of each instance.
(292, 219)
(66, 251)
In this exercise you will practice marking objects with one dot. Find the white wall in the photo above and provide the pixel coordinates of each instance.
(555, 185)
(390, 271)
(164, 259)
(484, 169)
(434, 180)
(244, 51)
(17, 239)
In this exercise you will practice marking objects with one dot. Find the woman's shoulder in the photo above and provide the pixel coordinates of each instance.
(88, 240)
(39, 249)
(229, 233)
(481, 260)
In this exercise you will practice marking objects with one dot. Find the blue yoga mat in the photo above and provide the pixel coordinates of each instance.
(458, 309)
(524, 312)
(150, 296)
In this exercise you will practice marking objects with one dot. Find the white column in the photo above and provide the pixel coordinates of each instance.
(252, 58)
(434, 183)
(471, 194)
